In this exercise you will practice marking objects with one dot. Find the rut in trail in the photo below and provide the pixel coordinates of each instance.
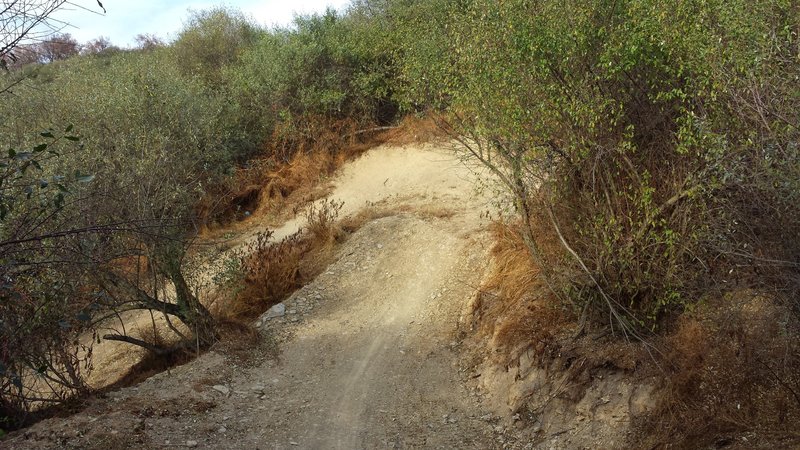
(368, 353)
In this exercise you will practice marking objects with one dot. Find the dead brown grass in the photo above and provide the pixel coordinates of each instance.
(514, 310)
(238, 340)
(271, 271)
(292, 174)
(152, 364)
(418, 130)
(732, 371)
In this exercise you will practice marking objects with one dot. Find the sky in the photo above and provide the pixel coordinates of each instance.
(125, 19)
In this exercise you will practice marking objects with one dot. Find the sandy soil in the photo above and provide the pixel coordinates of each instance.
(366, 356)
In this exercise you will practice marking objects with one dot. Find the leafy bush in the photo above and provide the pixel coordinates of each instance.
(212, 40)
(635, 134)
(328, 69)
(71, 251)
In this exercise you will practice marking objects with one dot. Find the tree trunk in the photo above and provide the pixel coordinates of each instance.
(196, 316)
(187, 308)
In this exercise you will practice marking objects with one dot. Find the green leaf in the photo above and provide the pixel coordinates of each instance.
(47, 134)
(69, 128)
(72, 138)
(40, 148)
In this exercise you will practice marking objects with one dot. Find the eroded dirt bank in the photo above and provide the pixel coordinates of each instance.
(366, 356)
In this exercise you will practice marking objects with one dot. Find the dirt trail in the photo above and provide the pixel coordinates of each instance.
(368, 353)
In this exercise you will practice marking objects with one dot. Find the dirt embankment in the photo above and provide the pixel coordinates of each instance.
(368, 355)
(372, 353)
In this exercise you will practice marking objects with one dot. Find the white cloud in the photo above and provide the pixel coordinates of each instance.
(126, 19)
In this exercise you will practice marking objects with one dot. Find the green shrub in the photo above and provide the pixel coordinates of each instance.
(153, 143)
(212, 40)
(633, 135)
(329, 68)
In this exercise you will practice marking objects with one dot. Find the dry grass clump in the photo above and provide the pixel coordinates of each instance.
(418, 130)
(238, 340)
(271, 187)
(732, 377)
(271, 270)
(152, 364)
(514, 310)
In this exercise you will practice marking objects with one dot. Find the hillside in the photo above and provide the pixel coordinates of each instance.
(416, 223)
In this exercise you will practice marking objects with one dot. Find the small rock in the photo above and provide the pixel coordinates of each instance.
(222, 430)
(487, 417)
(380, 246)
(278, 310)
(191, 444)
(222, 389)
